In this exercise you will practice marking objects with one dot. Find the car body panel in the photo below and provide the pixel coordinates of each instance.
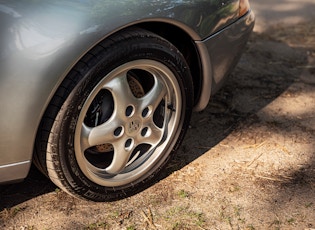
(14, 172)
(222, 50)
(42, 40)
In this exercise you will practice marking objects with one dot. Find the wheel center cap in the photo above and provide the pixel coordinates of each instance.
(133, 126)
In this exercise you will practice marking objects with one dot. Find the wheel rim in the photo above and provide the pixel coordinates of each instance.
(129, 123)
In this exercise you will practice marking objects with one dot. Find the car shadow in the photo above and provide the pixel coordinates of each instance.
(35, 184)
(267, 69)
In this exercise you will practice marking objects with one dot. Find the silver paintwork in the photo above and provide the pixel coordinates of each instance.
(222, 50)
(14, 172)
(42, 40)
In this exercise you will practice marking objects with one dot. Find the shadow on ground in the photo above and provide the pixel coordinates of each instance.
(34, 185)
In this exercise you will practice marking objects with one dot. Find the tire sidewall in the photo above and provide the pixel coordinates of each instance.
(124, 51)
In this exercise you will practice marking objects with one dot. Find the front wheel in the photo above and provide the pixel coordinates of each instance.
(124, 112)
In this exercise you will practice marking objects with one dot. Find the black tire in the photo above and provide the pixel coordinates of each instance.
(117, 118)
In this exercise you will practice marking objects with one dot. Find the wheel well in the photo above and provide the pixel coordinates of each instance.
(185, 45)
(179, 38)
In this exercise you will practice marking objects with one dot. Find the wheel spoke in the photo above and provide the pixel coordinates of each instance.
(104, 133)
(156, 135)
(154, 96)
(121, 157)
(121, 92)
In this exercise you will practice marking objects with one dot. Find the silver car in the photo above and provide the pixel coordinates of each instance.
(98, 94)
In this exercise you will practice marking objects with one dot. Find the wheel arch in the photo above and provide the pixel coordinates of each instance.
(188, 45)
(185, 43)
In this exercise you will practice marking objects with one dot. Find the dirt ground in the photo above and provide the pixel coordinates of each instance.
(247, 162)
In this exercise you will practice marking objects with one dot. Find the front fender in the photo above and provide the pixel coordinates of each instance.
(41, 41)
